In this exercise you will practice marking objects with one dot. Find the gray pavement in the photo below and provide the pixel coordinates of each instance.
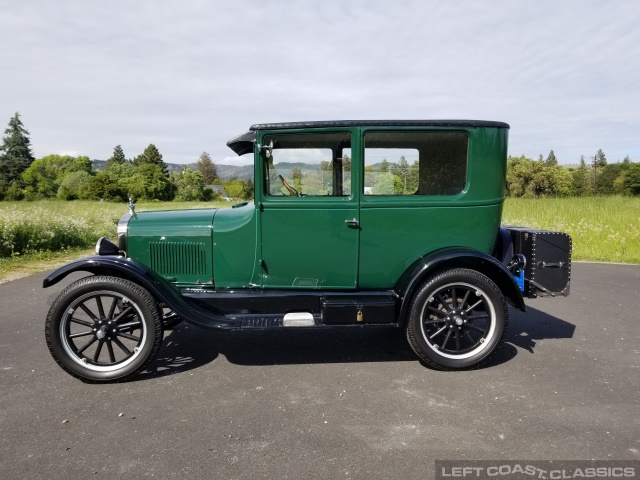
(357, 404)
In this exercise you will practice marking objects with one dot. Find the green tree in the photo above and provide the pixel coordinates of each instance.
(346, 163)
(530, 178)
(111, 184)
(621, 181)
(15, 151)
(44, 176)
(551, 160)
(151, 156)
(384, 183)
(607, 176)
(384, 166)
(401, 169)
(149, 182)
(117, 158)
(248, 190)
(599, 161)
(296, 176)
(189, 185)
(235, 187)
(632, 179)
(75, 185)
(581, 180)
(207, 168)
(559, 181)
(14, 192)
(398, 185)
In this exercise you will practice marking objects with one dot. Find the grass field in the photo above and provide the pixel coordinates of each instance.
(603, 229)
(36, 236)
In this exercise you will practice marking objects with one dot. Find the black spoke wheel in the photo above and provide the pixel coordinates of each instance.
(103, 328)
(457, 319)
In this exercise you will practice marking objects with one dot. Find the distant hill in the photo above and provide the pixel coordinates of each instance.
(225, 172)
(98, 165)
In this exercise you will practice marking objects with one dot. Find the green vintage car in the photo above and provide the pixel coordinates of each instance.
(355, 224)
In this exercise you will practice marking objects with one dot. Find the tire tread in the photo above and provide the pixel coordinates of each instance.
(411, 334)
(105, 281)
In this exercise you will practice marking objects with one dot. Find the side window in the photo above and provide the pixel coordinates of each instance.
(415, 163)
(309, 164)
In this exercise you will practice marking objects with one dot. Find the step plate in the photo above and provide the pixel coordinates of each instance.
(298, 319)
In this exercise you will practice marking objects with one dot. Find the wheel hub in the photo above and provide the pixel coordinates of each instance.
(102, 332)
(456, 318)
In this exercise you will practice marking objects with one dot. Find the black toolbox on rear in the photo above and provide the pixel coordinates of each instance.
(548, 254)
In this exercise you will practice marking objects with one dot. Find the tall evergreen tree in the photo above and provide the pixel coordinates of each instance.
(207, 168)
(346, 163)
(599, 162)
(151, 156)
(581, 185)
(117, 158)
(15, 156)
(551, 159)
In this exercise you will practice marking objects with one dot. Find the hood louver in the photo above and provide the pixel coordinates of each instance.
(179, 258)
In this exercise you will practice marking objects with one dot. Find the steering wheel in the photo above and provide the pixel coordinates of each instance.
(292, 191)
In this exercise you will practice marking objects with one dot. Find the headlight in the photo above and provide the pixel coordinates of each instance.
(106, 247)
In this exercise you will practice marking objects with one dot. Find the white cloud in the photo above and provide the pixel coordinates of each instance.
(188, 76)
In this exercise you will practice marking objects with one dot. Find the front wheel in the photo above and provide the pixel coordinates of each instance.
(457, 319)
(103, 329)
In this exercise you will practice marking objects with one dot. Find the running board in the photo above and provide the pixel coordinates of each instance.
(295, 319)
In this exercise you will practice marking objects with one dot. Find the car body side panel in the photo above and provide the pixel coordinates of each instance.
(310, 247)
(235, 258)
(399, 229)
(392, 239)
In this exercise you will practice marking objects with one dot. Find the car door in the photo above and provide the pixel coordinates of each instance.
(309, 220)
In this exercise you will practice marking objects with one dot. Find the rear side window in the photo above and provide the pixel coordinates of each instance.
(415, 163)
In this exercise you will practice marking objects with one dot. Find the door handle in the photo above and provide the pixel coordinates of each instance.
(352, 223)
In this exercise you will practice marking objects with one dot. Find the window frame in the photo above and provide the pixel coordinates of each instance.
(349, 199)
(413, 199)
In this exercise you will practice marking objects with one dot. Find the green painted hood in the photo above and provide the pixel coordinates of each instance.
(196, 222)
(177, 244)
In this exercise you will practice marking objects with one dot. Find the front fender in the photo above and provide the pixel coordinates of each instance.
(449, 258)
(163, 291)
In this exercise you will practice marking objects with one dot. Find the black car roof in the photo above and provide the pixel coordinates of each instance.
(243, 143)
(380, 123)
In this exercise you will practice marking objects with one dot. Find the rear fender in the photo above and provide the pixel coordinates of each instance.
(447, 259)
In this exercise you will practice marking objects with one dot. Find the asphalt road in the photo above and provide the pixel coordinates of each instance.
(356, 404)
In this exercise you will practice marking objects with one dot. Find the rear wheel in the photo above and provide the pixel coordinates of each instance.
(102, 329)
(457, 319)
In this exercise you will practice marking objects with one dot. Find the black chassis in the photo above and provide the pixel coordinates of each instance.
(265, 308)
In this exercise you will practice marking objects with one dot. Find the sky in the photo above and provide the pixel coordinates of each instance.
(189, 75)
